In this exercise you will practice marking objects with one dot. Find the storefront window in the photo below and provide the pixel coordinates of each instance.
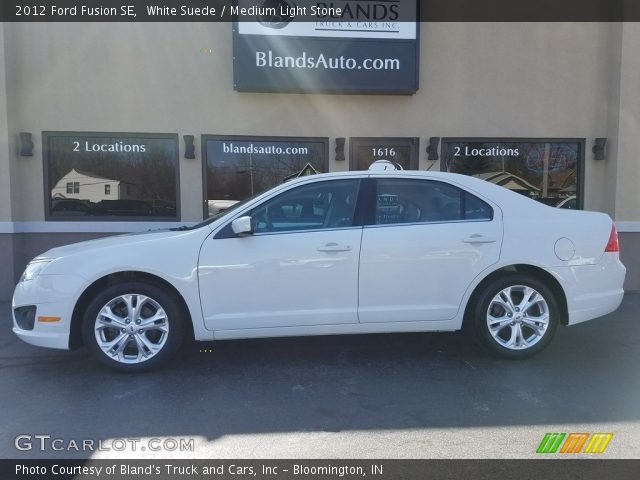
(237, 167)
(109, 176)
(547, 170)
(363, 151)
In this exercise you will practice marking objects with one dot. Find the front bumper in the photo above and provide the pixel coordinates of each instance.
(53, 296)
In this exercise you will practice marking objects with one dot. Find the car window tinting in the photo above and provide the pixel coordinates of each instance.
(400, 201)
(323, 205)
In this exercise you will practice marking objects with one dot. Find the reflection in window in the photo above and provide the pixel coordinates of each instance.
(418, 201)
(106, 182)
(240, 167)
(310, 207)
(542, 170)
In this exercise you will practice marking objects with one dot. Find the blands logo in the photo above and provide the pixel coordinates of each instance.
(574, 442)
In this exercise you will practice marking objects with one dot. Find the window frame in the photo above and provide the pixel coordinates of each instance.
(46, 135)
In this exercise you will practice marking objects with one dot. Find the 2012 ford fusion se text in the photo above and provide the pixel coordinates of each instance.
(337, 253)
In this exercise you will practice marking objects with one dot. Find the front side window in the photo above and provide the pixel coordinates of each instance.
(323, 205)
(399, 201)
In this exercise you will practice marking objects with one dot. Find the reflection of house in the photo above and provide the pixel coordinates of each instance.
(89, 186)
(510, 181)
(306, 171)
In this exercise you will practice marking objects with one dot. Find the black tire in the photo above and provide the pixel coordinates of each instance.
(132, 343)
(505, 331)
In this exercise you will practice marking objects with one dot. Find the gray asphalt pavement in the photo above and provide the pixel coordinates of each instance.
(376, 396)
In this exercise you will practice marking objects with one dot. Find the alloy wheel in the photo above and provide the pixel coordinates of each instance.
(131, 328)
(518, 317)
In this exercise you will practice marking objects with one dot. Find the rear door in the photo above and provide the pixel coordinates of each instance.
(424, 243)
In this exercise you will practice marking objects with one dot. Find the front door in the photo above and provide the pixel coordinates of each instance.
(298, 268)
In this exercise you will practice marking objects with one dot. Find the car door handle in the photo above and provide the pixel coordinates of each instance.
(477, 238)
(334, 247)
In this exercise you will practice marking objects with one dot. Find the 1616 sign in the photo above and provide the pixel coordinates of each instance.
(363, 151)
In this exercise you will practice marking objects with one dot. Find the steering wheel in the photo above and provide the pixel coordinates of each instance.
(263, 218)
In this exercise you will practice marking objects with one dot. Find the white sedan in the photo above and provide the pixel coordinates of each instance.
(355, 252)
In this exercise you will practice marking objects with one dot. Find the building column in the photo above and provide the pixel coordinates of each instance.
(627, 156)
(6, 217)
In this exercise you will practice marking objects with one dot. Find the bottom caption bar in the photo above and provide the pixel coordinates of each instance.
(317, 469)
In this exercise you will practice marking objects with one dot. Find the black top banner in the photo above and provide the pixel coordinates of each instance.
(324, 10)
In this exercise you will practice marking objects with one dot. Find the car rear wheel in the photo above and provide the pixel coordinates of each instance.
(133, 326)
(515, 316)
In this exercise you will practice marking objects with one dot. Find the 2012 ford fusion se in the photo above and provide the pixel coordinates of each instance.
(337, 253)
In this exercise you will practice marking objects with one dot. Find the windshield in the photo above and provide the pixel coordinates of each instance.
(221, 214)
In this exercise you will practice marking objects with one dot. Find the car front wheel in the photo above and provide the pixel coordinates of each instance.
(515, 316)
(133, 326)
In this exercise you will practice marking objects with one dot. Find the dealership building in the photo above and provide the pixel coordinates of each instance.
(108, 128)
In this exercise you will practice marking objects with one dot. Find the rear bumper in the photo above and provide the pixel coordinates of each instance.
(593, 290)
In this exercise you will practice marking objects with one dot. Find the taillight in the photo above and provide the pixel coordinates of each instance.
(612, 244)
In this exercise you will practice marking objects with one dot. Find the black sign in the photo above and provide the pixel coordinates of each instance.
(108, 176)
(548, 170)
(359, 47)
(363, 151)
(238, 167)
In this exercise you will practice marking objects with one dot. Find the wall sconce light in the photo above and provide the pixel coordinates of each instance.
(26, 144)
(189, 147)
(340, 149)
(432, 148)
(598, 148)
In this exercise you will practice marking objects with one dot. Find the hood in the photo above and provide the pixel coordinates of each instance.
(113, 241)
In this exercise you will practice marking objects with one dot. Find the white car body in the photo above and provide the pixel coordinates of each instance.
(362, 279)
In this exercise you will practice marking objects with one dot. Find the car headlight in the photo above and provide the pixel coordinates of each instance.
(34, 268)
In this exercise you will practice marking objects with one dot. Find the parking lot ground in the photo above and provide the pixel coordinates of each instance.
(432, 395)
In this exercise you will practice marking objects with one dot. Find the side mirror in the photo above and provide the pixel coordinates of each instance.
(242, 226)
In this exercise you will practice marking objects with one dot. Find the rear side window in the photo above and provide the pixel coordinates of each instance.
(399, 201)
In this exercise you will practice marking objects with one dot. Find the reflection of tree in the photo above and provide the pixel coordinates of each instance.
(238, 176)
(472, 165)
(559, 160)
(152, 172)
